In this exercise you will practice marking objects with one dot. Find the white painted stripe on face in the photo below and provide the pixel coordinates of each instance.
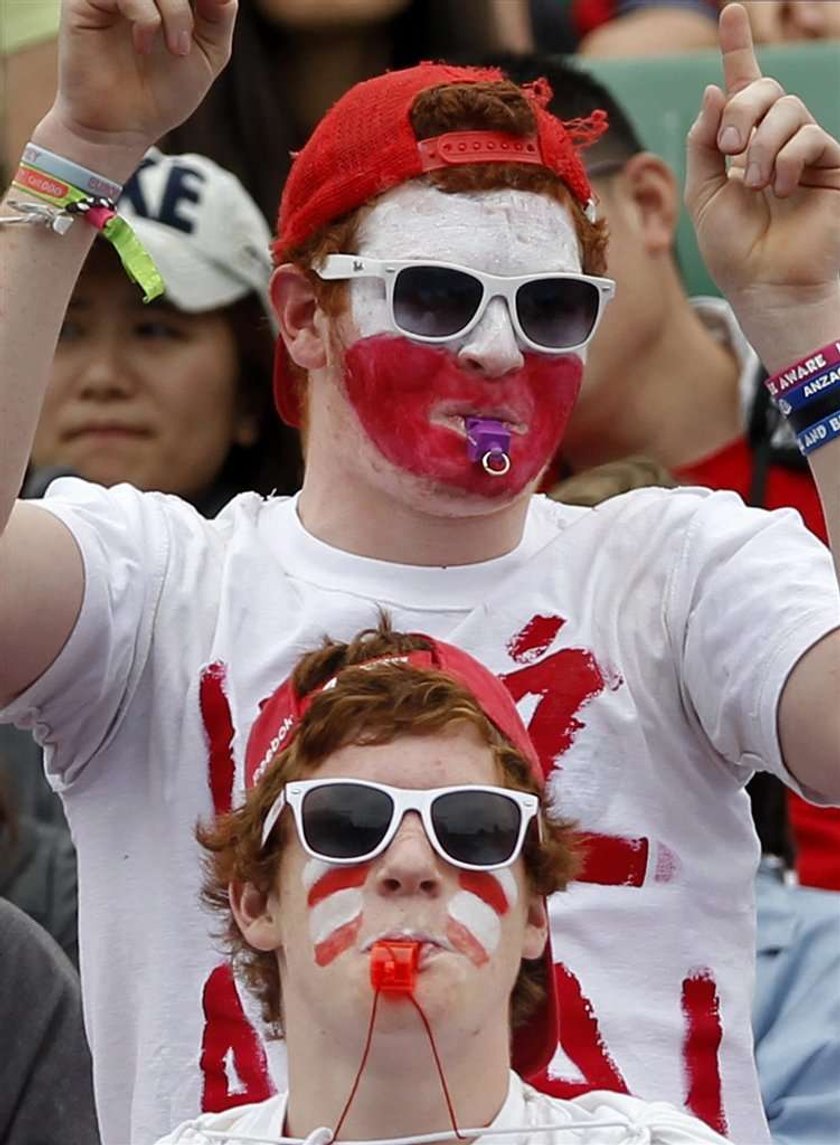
(479, 919)
(333, 912)
(507, 879)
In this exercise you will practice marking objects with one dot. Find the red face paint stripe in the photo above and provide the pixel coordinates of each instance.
(337, 879)
(340, 940)
(466, 943)
(486, 887)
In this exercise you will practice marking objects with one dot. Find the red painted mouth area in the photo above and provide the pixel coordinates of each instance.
(402, 393)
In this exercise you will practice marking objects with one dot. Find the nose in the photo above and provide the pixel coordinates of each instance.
(410, 865)
(105, 373)
(491, 347)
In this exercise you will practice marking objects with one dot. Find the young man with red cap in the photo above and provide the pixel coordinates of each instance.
(383, 889)
(434, 315)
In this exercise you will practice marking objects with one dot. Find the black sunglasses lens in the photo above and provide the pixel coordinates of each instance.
(480, 828)
(345, 820)
(557, 312)
(435, 301)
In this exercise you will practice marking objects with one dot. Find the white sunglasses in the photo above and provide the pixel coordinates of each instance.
(344, 821)
(438, 301)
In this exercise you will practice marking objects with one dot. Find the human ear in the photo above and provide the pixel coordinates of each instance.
(257, 916)
(536, 928)
(297, 310)
(652, 188)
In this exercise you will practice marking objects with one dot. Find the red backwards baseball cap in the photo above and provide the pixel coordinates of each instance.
(535, 1042)
(365, 145)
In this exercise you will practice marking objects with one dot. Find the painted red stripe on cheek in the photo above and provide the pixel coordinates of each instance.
(339, 941)
(337, 879)
(466, 943)
(486, 887)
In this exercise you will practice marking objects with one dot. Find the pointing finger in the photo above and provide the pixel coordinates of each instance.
(740, 66)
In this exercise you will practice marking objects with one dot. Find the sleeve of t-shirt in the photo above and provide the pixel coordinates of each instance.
(750, 593)
(124, 539)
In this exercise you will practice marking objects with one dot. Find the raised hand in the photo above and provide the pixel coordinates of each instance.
(129, 70)
(762, 186)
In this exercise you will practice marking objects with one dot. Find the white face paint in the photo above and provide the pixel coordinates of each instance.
(502, 232)
(476, 911)
(335, 901)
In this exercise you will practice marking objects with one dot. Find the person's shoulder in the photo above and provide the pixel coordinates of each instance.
(74, 499)
(679, 501)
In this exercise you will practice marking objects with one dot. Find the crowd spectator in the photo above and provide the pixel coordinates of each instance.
(456, 901)
(174, 395)
(668, 27)
(640, 637)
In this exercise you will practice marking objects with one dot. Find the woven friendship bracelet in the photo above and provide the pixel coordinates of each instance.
(819, 434)
(804, 369)
(101, 213)
(69, 172)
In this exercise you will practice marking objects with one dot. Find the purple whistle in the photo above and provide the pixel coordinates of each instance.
(486, 436)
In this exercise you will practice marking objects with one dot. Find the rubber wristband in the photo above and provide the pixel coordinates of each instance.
(69, 172)
(819, 434)
(798, 372)
(800, 419)
(807, 393)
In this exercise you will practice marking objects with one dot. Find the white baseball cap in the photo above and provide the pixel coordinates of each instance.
(206, 234)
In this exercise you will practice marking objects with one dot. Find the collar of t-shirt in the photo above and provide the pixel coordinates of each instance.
(306, 558)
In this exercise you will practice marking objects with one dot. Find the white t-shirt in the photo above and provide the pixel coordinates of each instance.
(647, 641)
(596, 1117)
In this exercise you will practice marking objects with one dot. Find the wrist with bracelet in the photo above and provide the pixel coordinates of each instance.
(808, 393)
(66, 191)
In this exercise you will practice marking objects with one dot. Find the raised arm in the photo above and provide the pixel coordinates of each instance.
(763, 189)
(129, 70)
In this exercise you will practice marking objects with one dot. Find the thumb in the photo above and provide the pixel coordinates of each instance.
(705, 166)
(213, 23)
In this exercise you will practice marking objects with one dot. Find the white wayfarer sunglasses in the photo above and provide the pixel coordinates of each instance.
(344, 821)
(435, 302)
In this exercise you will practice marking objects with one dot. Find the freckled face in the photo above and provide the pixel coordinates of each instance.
(474, 925)
(411, 399)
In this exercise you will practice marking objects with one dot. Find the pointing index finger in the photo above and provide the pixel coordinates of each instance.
(740, 67)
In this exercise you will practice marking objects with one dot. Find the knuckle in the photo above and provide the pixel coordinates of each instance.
(792, 103)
